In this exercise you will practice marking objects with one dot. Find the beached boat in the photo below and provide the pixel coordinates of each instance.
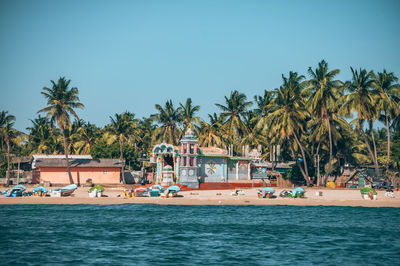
(64, 191)
(15, 191)
(171, 191)
(266, 192)
(296, 193)
(155, 190)
(40, 191)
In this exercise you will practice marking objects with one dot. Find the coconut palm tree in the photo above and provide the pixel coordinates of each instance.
(40, 135)
(85, 137)
(362, 99)
(122, 129)
(254, 137)
(188, 113)
(234, 110)
(288, 116)
(61, 102)
(168, 118)
(209, 133)
(388, 101)
(7, 132)
(325, 91)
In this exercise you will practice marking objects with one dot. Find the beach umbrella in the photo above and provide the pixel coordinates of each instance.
(173, 188)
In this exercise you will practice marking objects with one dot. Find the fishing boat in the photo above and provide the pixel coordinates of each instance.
(40, 191)
(296, 193)
(15, 191)
(171, 191)
(155, 190)
(266, 192)
(65, 191)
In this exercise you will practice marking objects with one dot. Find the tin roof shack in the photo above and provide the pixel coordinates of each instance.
(358, 180)
(99, 171)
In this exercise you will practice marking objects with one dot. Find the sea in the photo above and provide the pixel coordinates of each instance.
(198, 235)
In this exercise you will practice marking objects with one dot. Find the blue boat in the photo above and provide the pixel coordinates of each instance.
(173, 188)
(296, 193)
(66, 191)
(15, 191)
(266, 192)
(40, 191)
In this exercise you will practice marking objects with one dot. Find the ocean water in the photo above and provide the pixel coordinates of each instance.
(198, 235)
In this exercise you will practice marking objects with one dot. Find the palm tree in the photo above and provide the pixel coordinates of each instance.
(362, 99)
(85, 136)
(168, 118)
(288, 116)
(254, 137)
(318, 130)
(122, 129)
(389, 99)
(61, 101)
(7, 132)
(188, 114)
(234, 110)
(325, 91)
(209, 133)
(39, 135)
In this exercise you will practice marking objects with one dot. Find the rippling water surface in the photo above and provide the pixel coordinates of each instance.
(242, 235)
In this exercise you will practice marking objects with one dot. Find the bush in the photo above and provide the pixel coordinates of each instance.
(99, 189)
(367, 189)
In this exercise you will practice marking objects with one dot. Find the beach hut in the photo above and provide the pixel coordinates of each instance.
(358, 180)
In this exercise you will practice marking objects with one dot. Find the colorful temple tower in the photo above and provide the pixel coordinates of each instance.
(167, 161)
(189, 160)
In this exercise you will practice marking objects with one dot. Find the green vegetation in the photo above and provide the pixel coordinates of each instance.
(365, 190)
(319, 122)
(98, 188)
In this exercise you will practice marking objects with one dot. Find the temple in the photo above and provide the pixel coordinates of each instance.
(191, 165)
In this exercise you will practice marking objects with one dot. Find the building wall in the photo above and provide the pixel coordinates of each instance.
(259, 172)
(243, 168)
(213, 169)
(59, 175)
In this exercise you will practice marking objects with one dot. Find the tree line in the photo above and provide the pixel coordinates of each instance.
(320, 122)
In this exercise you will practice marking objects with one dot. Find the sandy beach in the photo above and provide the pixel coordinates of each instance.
(330, 197)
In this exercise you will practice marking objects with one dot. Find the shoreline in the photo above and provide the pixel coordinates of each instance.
(330, 197)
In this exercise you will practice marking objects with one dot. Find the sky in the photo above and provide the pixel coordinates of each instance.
(131, 55)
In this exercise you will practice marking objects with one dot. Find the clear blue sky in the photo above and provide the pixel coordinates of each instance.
(130, 55)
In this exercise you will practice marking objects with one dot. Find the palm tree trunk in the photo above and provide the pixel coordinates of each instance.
(316, 165)
(19, 167)
(299, 165)
(368, 146)
(330, 151)
(71, 180)
(374, 145)
(388, 143)
(122, 161)
(8, 162)
(304, 157)
(272, 156)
